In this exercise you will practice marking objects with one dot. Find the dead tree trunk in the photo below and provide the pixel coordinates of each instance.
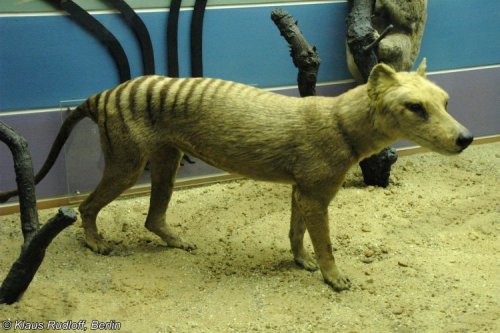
(36, 239)
(305, 57)
(362, 41)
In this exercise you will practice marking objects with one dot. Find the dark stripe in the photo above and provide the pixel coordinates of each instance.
(132, 95)
(177, 94)
(204, 91)
(164, 95)
(107, 93)
(195, 83)
(117, 101)
(88, 105)
(153, 116)
(104, 109)
(106, 96)
(218, 87)
(95, 109)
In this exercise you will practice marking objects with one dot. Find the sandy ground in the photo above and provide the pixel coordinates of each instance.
(423, 256)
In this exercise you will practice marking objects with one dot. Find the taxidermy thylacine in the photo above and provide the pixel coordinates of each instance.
(309, 143)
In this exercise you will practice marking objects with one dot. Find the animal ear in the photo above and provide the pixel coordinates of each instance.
(381, 78)
(421, 68)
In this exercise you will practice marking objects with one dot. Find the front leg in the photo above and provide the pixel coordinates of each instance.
(297, 230)
(313, 207)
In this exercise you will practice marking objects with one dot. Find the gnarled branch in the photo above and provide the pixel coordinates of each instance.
(305, 57)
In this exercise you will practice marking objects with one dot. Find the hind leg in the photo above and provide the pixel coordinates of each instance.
(119, 175)
(164, 165)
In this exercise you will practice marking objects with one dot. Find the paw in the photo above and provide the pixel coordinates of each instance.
(340, 283)
(307, 262)
(186, 246)
(170, 237)
(178, 243)
(97, 244)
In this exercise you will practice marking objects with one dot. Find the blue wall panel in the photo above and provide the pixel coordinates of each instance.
(462, 34)
(46, 59)
(246, 46)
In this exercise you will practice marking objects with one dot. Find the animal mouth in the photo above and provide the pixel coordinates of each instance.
(439, 147)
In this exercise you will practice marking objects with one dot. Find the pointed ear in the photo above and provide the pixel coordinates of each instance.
(421, 68)
(381, 78)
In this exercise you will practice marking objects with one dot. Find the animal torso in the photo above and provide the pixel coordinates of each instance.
(234, 127)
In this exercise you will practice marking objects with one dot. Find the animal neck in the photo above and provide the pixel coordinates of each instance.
(354, 115)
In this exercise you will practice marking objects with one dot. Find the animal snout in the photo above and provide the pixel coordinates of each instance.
(464, 140)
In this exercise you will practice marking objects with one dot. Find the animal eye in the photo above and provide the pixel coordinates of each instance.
(418, 109)
(415, 107)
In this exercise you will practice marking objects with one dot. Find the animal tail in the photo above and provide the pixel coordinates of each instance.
(69, 123)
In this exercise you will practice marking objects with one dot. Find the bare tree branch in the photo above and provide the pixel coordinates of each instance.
(305, 57)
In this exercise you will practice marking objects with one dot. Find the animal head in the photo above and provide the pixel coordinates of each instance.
(409, 106)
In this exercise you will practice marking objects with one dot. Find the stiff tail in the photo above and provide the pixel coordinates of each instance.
(69, 123)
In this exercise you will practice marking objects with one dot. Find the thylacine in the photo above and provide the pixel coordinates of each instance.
(307, 142)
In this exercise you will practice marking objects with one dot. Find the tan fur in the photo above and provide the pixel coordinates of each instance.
(309, 143)
(401, 46)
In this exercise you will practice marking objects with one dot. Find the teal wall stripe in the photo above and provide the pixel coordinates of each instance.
(46, 59)
(462, 33)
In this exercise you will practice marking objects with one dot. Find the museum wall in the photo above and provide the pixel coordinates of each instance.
(49, 63)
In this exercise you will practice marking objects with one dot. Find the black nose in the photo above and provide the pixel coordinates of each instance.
(464, 140)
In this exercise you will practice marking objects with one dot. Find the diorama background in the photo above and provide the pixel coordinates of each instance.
(48, 62)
